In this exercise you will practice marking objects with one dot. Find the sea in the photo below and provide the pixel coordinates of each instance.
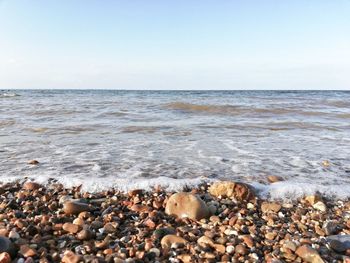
(104, 139)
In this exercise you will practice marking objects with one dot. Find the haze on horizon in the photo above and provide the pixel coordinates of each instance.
(175, 44)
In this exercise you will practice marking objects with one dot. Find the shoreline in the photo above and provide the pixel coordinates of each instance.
(225, 222)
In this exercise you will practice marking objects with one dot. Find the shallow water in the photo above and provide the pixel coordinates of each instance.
(127, 139)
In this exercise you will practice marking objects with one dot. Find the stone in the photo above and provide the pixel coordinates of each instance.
(330, 227)
(161, 232)
(70, 257)
(308, 254)
(72, 207)
(5, 257)
(33, 162)
(248, 240)
(185, 258)
(135, 192)
(27, 251)
(270, 207)
(172, 241)
(187, 205)
(85, 234)
(71, 228)
(320, 206)
(313, 199)
(31, 186)
(7, 246)
(339, 243)
(239, 191)
(141, 208)
(240, 249)
(290, 245)
(274, 178)
(205, 241)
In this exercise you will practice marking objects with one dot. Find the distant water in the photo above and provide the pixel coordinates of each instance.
(127, 139)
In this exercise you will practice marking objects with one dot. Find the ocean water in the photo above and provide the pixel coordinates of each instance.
(128, 139)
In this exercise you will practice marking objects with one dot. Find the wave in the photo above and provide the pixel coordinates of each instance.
(238, 110)
(8, 95)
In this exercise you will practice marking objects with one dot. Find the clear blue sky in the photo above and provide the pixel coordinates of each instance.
(145, 44)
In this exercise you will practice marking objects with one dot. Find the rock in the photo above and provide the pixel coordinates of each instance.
(162, 232)
(205, 241)
(248, 240)
(187, 205)
(230, 249)
(74, 207)
(239, 191)
(5, 257)
(70, 257)
(320, 206)
(7, 246)
(185, 258)
(141, 208)
(27, 251)
(85, 234)
(31, 186)
(313, 199)
(71, 228)
(172, 241)
(13, 234)
(330, 227)
(339, 243)
(290, 245)
(274, 178)
(309, 254)
(240, 249)
(33, 162)
(270, 207)
(109, 228)
(135, 192)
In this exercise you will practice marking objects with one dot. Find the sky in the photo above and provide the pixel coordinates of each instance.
(182, 44)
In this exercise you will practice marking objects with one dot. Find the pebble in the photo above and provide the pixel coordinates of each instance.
(172, 241)
(187, 205)
(31, 186)
(339, 243)
(320, 206)
(270, 207)
(70, 257)
(72, 207)
(71, 228)
(85, 234)
(309, 254)
(5, 257)
(231, 189)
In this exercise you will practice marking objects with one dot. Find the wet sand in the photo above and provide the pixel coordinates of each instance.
(230, 224)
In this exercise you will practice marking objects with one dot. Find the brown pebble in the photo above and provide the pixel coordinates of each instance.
(70, 257)
(74, 207)
(85, 234)
(309, 254)
(71, 228)
(31, 186)
(5, 257)
(172, 241)
(240, 249)
(27, 251)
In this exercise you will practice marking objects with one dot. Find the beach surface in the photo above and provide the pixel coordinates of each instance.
(218, 222)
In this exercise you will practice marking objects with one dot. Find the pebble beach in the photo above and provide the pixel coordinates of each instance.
(223, 221)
